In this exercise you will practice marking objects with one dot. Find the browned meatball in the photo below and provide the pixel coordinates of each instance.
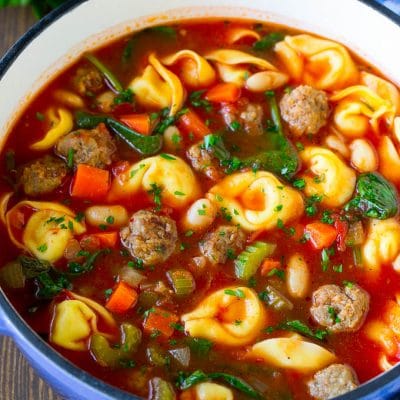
(340, 310)
(223, 242)
(42, 176)
(203, 161)
(93, 147)
(305, 109)
(150, 237)
(244, 115)
(332, 381)
(88, 80)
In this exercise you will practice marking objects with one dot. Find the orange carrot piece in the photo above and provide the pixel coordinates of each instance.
(190, 122)
(107, 239)
(122, 298)
(160, 321)
(90, 182)
(321, 235)
(268, 265)
(138, 122)
(223, 93)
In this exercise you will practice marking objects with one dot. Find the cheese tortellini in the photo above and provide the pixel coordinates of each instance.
(215, 317)
(382, 245)
(46, 232)
(257, 200)
(389, 159)
(170, 173)
(320, 63)
(76, 319)
(333, 179)
(195, 70)
(158, 87)
(293, 353)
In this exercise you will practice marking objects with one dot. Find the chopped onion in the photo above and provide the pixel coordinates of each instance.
(131, 276)
(182, 355)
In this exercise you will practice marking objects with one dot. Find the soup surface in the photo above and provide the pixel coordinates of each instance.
(209, 211)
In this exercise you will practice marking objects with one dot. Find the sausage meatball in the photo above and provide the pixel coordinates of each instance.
(219, 244)
(150, 237)
(42, 176)
(248, 115)
(203, 161)
(332, 381)
(88, 80)
(340, 310)
(305, 109)
(93, 147)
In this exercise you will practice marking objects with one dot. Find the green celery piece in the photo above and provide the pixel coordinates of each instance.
(249, 260)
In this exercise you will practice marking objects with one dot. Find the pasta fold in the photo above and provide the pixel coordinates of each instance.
(176, 179)
(61, 122)
(214, 318)
(333, 179)
(234, 35)
(195, 70)
(320, 63)
(42, 228)
(389, 159)
(257, 200)
(293, 353)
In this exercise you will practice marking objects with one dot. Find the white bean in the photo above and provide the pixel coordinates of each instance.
(200, 215)
(266, 80)
(298, 276)
(337, 144)
(363, 156)
(172, 138)
(105, 101)
(114, 216)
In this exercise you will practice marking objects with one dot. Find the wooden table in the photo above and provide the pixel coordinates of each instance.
(17, 379)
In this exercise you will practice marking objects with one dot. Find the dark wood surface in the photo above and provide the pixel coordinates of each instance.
(18, 381)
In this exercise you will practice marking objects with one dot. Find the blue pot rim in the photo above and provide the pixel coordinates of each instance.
(376, 385)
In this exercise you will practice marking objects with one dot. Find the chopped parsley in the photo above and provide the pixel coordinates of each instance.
(136, 170)
(235, 126)
(70, 158)
(348, 284)
(325, 258)
(126, 96)
(42, 248)
(79, 216)
(40, 117)
(225, 214)
(231, 254)
(189, 233)
(156, 191)
(299, 183)
(235, 292)
(280, 273)
(311, 208)
(338, 268)
(278, 208)
(177, 326)
(178, 193)
(333, 314)
(110, 220)
(326, 217)
(300, 327)
(196, 100)
(167, 156)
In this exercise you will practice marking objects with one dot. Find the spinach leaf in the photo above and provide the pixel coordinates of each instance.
(166, 31)
(268, 41)
(375, 198)
(77, 269)
(300, 327)
(48, 287)
(199, 346)
(32, 267)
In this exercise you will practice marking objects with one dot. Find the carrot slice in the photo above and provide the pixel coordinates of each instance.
(138, 122)
(190, 122)
(107, 239)
(160, 321)
(268, 265)
(223, 93)
(321, 235)
(90, 182)
(122, 298)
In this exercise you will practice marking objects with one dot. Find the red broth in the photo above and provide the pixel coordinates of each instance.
(127, 59)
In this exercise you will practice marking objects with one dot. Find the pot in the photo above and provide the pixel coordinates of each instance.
(372, 31)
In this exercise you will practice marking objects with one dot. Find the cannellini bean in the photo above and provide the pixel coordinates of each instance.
(266, 80)
(363, 156)
(172, 139)
(336, 143)
(200, 215)
(298, 276)
(112, 215)
(69, 99)
(105, 101)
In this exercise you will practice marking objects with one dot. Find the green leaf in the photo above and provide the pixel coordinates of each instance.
(199, 346)
(268, 41)
(300, 327)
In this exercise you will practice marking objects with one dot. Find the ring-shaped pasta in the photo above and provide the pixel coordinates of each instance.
(234, 35)
(257, 200)
(214, 318)
(169, 172)
(46, 229)
(305, 56)
(61, 122)
(336, 181)
(195, 70)
(292, 352)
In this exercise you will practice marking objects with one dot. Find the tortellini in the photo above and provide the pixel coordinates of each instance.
(257, 200)
(320, 63)
(292, 353)
(382, 245)
(389, 159)
(208, 391)
(234, 35)
(231, 65)
(76, 319)
(360, 107)
(61, 122)
(46, 231)
(195, 70)
(215, 318)
(158, 87)
(333, 179)
(170, 173)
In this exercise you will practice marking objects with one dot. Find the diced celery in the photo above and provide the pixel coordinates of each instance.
(357, 256)
(182, 281)
(355, 235)
(157, 356)
(249, 260)
(12, 275)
